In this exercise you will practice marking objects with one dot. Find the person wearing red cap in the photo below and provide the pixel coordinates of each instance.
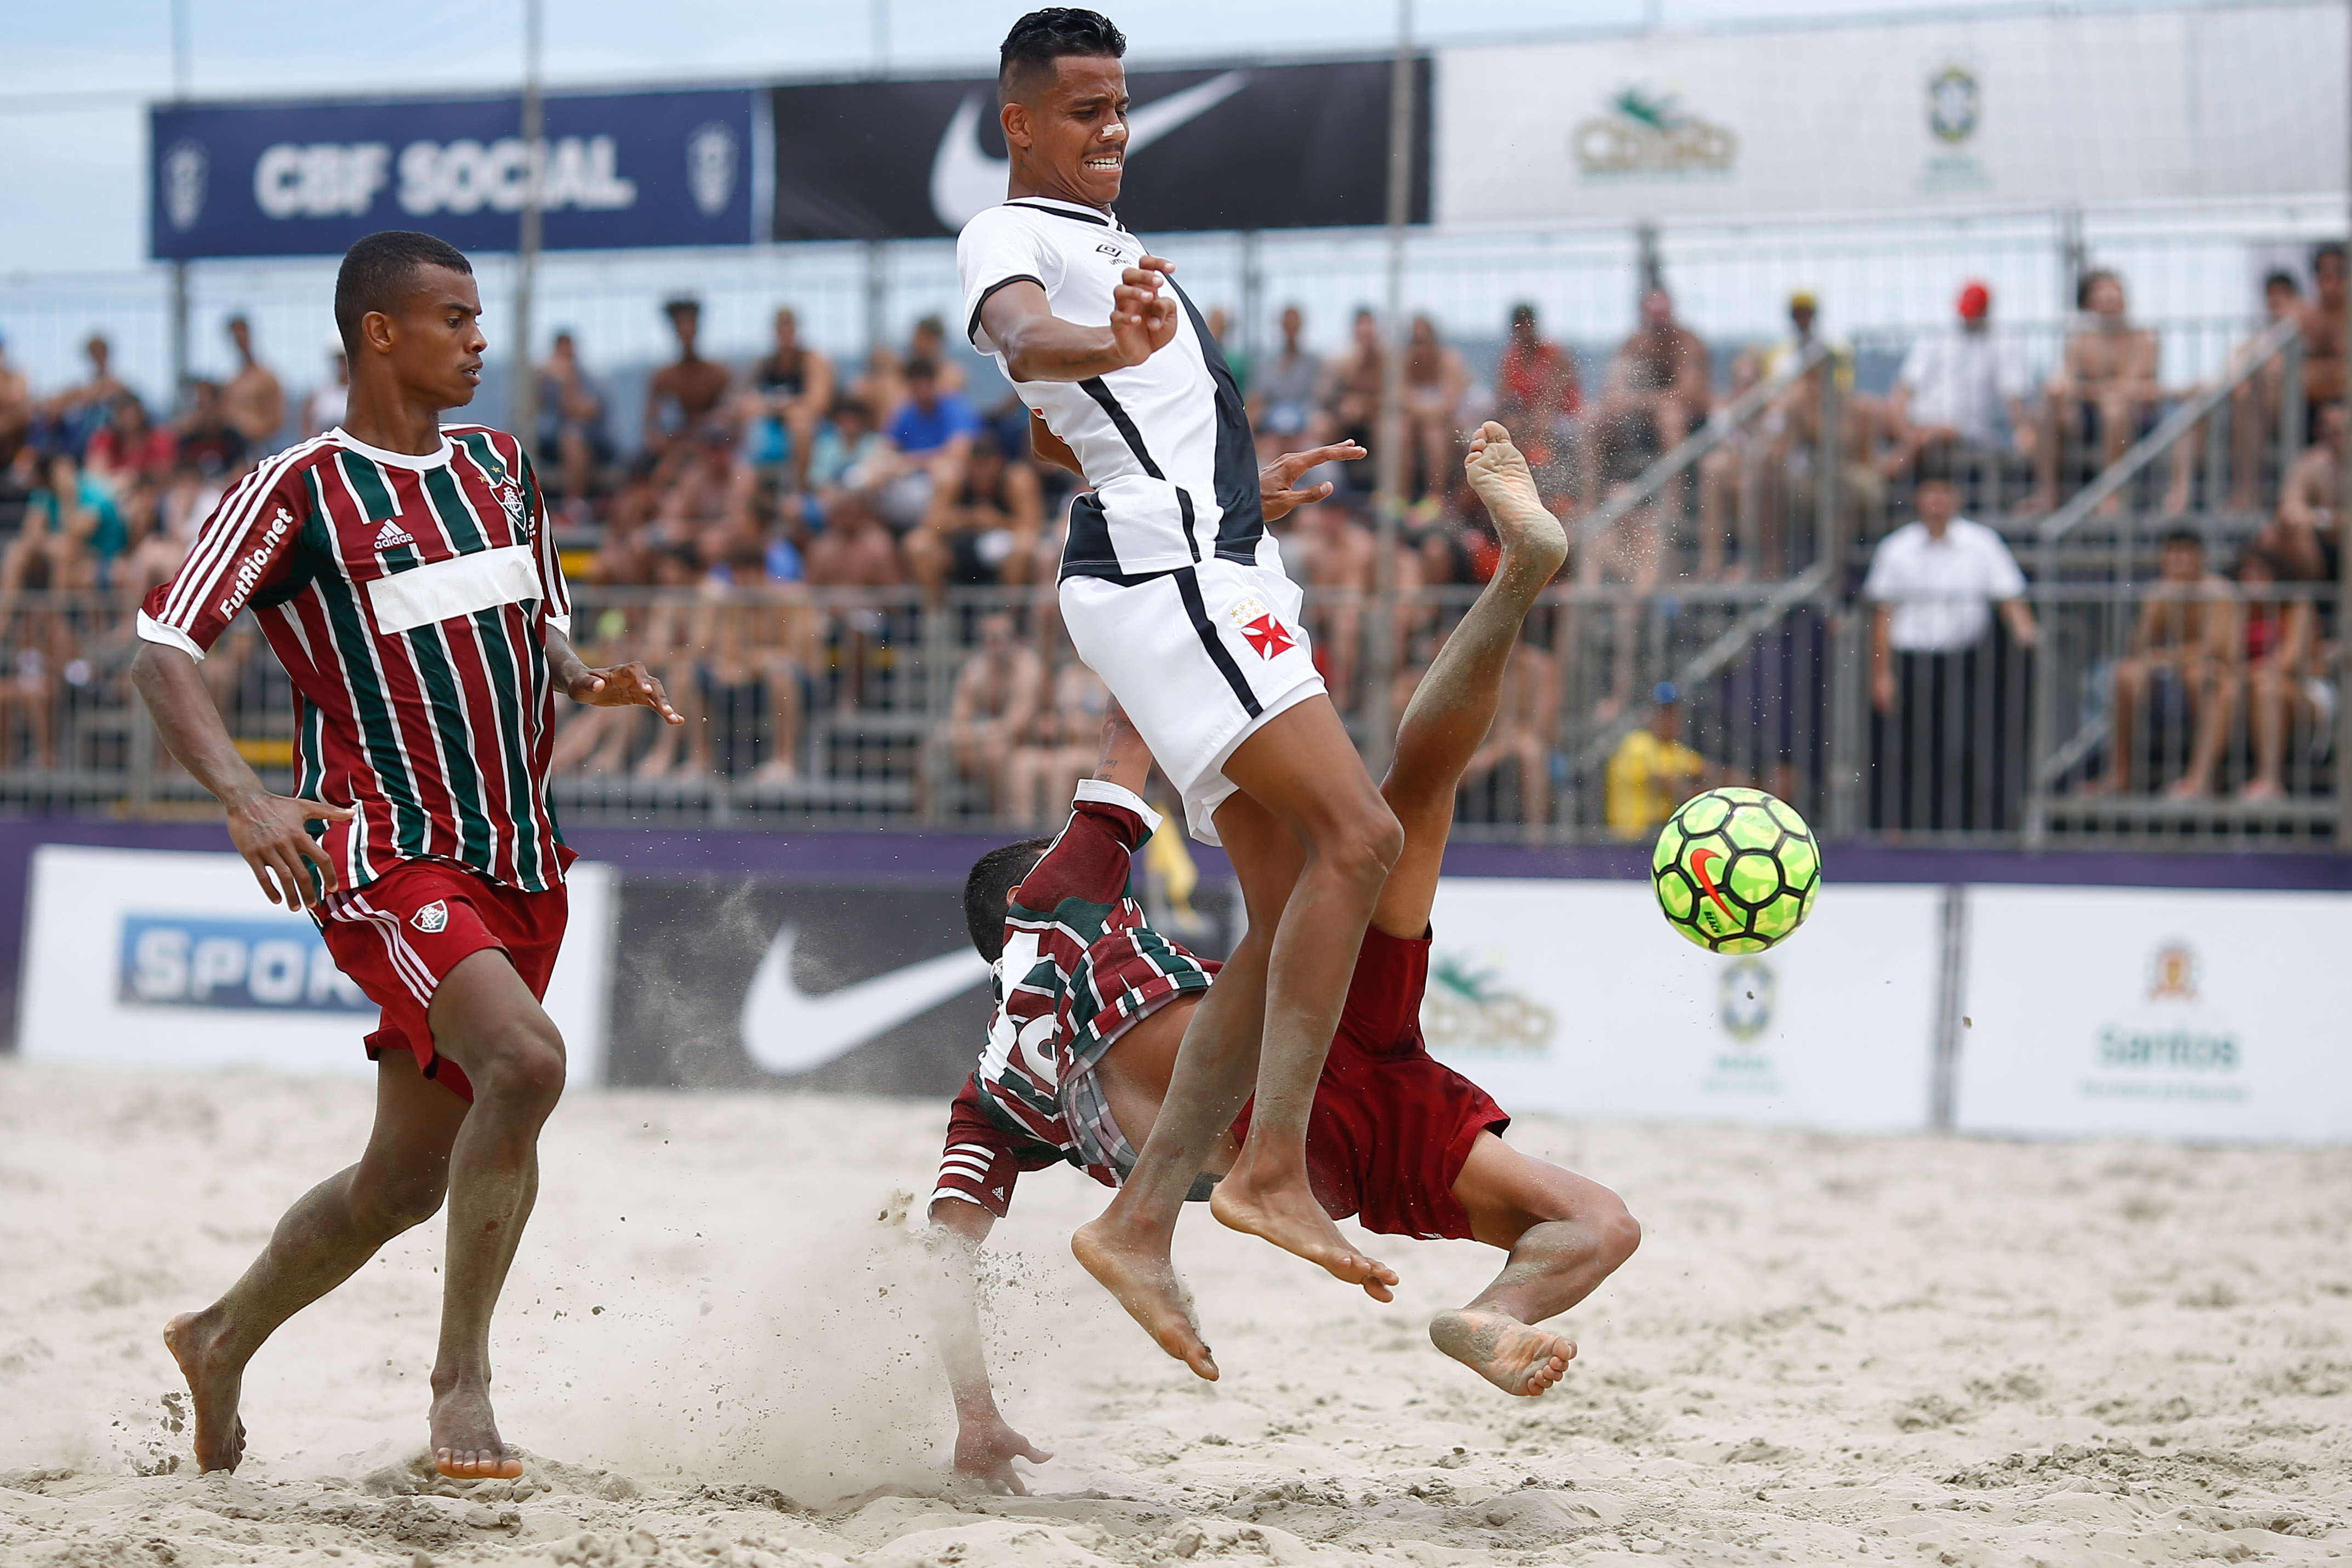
(1965, 388)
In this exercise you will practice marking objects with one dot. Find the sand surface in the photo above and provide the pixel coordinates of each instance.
(1828, 1349)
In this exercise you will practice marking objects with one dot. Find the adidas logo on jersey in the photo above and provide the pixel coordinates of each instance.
(391, 536)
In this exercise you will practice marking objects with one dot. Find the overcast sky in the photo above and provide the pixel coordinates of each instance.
(73, 76)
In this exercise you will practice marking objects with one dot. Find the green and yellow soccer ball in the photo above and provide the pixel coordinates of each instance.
(1736, 870)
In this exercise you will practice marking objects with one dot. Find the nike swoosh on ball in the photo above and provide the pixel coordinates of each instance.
(786, 1030)
(966, 181)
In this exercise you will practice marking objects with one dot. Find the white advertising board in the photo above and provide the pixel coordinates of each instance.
(148, 958)
(2167, 1012)
(1945, 111)
(1577, 998)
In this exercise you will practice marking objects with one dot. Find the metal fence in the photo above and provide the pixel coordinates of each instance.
(875, 707)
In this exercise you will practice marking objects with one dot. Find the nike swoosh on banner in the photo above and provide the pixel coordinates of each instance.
(785, 1029)
(966, 181)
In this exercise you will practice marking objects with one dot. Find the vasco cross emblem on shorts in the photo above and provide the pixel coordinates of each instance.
(433, 917)
(1266, 636)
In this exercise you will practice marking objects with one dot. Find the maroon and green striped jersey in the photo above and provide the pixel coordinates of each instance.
(408, 598)
(1080, 967)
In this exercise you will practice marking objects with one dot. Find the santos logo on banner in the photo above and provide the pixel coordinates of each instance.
(2175, 1012)
(174, 960)
(633, 169)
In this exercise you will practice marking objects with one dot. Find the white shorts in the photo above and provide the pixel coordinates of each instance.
(1200, 658)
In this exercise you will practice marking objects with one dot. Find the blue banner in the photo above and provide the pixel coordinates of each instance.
(196, 961)
(307, 178)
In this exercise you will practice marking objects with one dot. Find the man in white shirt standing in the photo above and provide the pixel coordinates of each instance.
(1956, 387)
(1939, 689)
(1174, 595)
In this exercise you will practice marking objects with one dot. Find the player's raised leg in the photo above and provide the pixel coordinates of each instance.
(322, 1240)
(486, 1020)
(1128, 1248)
(1454, 707)
(1565, 1235)
(1305, 774)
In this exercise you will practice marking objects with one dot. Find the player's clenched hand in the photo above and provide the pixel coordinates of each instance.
(622, 686)
(1498, 472)
(268, 831)
(1142, 314)
(985, 1450)
(1276, 481)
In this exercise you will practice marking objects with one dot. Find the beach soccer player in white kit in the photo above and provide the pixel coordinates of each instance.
(1172, 593)
(1091, 1000)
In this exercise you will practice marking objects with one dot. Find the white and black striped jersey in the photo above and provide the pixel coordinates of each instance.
(1165, 443)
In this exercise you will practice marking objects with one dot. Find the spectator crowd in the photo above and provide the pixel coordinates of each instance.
(780, 537)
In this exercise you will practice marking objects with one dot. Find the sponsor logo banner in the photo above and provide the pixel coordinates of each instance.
(1918, 114)
(1245, 147)
(151, 958)
(2177, 1013)
(194, 961)
(307, 179)
(1575, 998)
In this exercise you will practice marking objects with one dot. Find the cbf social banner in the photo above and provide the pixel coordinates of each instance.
(307, 178)
(1238, 147)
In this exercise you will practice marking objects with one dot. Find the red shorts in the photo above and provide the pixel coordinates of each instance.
(401, 935)
(1392, 1125)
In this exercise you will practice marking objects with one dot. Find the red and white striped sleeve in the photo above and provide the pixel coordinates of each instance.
(246, 546)
(982, 1161)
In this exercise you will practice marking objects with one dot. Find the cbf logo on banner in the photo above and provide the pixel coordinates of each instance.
(307, 179)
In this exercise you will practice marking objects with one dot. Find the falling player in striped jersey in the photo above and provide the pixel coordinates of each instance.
(1091, 1002)
(403, 574)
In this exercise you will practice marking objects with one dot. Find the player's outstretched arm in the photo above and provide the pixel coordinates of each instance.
(986, 1444)
(269, 830)
(1039, 346)
(1124, 759)
(1277, 482)
(620, 685)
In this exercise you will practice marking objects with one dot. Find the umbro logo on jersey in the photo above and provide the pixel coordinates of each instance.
(391, 536)
(433, 917)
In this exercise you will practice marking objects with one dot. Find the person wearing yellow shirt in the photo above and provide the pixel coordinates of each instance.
(1652, 771)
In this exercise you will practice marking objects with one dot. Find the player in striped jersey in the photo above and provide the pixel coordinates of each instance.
(403, 573)
(1092, 1001)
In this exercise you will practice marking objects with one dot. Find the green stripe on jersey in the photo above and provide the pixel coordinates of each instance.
(379, 735)
(489, 629)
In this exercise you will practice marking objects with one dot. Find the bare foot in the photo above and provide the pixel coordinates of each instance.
(213, 1385)
(2187, 789)
(1522, 524)
(2259, 792)
(1291, 1219)
(653, 767)
(1514, 1356)
(776, 773)
(465, 1446)
(1144, 1282)
(2093, 789)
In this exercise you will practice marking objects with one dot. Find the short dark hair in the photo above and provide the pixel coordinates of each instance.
(681, 305)
(2182, 535)
(376, 271)
(2325, 249)
(1938, 464)
(921, 369)
(2278, 277)
(987, 891)
(1041, 38)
